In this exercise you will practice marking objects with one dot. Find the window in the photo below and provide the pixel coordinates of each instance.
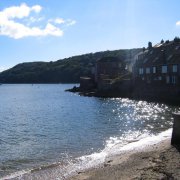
(154, 70)
(147, 70)
(174, 80)
(164, 69)
(159, 78)
(174, 68)
(141, 70)
(167, 79)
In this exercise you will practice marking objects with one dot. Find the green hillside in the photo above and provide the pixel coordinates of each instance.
(67, 70)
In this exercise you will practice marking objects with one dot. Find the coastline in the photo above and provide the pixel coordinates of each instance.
(155, 161)
(124, 94)
(151, 157)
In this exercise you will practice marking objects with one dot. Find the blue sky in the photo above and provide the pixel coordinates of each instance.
(48, 30)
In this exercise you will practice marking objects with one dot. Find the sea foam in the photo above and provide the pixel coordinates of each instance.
(114, 146)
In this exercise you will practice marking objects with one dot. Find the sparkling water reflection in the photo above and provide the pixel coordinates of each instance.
(42, 124)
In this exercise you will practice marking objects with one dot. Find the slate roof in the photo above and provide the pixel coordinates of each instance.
(166, 53)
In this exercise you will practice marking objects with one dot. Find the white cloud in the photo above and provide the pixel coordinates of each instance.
(37, 8)
(178, 23)
(70, 22)
(17, 30)
(9, 25)
(33, 19)
(59, 21)
(19, 11)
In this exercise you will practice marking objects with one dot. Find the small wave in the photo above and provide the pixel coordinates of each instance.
(15, 175)
(27, 173)
(118, 145)
(114, 146)
(2, 141)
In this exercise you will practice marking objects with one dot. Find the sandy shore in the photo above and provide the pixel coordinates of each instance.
(157, 161)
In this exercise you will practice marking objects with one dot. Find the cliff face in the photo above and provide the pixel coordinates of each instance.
(67, 70)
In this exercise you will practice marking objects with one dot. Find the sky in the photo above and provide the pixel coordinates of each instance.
(49, 30)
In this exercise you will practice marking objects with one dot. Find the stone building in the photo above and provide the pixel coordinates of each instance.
(107, 70)
(156, 73)
(86, 83)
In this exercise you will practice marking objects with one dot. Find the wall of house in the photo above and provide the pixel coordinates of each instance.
(163, 93)
(156, 73)
(86, 83)
(144, 76)
(108, 68)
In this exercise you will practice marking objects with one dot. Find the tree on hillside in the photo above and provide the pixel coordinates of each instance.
(176, 39)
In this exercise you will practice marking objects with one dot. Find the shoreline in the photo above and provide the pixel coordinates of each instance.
(149, 158)
(155, 161)
(121, 94)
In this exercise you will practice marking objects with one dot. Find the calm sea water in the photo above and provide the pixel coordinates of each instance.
(44, 126)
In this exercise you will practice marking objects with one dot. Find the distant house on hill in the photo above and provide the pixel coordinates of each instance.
(108, 69)
(105, 71)
(157, 70)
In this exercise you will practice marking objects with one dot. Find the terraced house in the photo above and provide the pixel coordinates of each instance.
(157, 71)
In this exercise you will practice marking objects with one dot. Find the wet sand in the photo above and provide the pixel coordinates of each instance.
(157, 161)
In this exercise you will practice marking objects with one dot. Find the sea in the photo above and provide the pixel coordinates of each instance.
(48, 133)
